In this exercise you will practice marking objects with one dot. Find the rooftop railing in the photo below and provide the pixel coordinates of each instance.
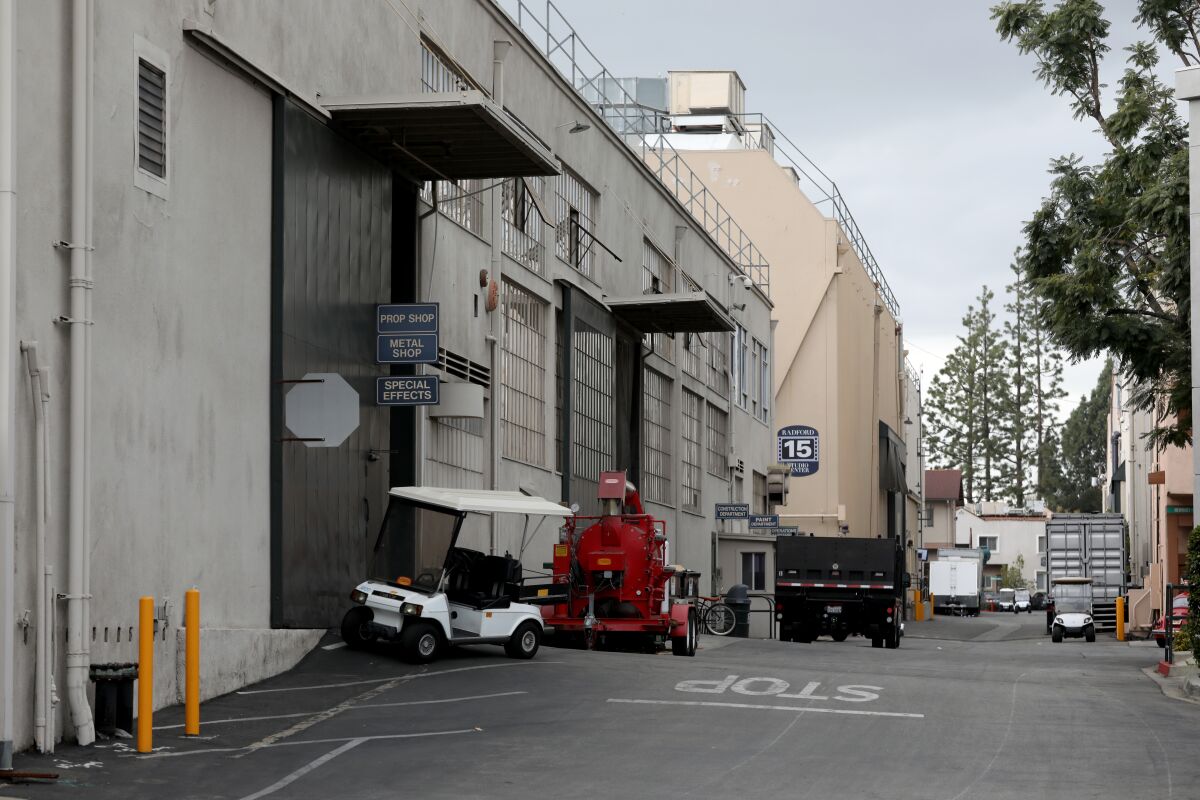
(637, 125)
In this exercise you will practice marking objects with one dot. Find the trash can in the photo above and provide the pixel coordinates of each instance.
(738, 599)
(114, 696)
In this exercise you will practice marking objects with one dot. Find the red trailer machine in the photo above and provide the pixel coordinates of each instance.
(618, 581)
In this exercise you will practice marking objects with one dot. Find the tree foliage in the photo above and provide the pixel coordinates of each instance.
(1193, 580)
(1107, 251)
(1082, 451)
(1011, 577)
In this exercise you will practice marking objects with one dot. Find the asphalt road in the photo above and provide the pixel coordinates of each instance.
(966, 708)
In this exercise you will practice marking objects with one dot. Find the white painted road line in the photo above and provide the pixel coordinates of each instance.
(307, 768)
(793, 709)
(414, 676)
(334, 646)
(299, 742)
(352, 708)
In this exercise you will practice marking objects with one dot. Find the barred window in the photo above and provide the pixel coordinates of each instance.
(741, 353)
(718, 442)
(576, 213)
(456, 453)
(656, 436)
(592, 420)
(460, 202)
(694, 356)
(524, 376)
(763, 378)
(689, 481)
(523, 228)
(658, 277)
(718, 363)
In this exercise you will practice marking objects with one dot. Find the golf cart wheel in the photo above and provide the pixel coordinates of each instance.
(686, 645)
(1056, 635)
(719, 619)
(420, 642)
(356, 627)
(1089, 633)
(525, 640)
(840, 636)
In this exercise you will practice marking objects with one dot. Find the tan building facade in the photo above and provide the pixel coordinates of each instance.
(838, 365)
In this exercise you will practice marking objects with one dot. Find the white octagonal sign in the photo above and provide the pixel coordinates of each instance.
(323, 410)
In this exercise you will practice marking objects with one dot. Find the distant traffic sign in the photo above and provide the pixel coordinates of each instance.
(410, 390)
(732, 510)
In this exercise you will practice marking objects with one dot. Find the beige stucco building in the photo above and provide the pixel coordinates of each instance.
(839, 361)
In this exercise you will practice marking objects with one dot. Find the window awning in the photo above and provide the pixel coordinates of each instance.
(442, 135)
(681, 312)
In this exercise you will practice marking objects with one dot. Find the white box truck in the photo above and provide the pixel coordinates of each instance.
(955, 580)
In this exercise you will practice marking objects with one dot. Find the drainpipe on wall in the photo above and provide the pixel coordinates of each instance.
(43, 674)
(500, 50)
(8, 419)
(78, 655)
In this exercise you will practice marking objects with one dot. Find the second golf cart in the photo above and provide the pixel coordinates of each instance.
(436, 594)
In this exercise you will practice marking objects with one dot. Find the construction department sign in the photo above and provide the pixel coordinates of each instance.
(800, 448)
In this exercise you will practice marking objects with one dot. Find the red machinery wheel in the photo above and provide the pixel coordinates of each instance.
(686, 645)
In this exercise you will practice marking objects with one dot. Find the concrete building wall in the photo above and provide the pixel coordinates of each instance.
(181, 387)
(1017, 536)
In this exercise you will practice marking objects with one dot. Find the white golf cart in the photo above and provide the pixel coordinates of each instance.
(442, 594)
(1072, 609)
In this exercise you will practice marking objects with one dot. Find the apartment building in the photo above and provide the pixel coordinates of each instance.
(1012, 537)
(249, 182)
(1152, 489)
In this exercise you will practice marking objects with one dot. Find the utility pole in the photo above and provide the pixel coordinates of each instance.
(1187, 87)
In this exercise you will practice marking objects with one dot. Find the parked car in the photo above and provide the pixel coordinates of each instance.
(1179, 615)
(989, 601)
(1038, 601)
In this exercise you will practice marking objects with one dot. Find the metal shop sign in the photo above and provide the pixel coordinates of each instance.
(415, 348)
(764, 520)
(732, 510)
(407, 318)
(800, 448)
(409, 390)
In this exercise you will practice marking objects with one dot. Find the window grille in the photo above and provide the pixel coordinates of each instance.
(765, 392)
(656, 436)
(524, 376)
(741, 353)
(523, 228)
(718, 442)
(576, 213)
(559, 383)
(694, 356)
(456, 453)
(592, 417)
(460, 202)
(460, 366)
(718, 363)
(689, 481)
(658, 277)
(152, 119)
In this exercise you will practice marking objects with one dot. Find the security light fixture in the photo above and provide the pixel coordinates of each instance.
(577, 126)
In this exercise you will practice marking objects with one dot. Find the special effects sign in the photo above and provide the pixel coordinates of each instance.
(800, 448)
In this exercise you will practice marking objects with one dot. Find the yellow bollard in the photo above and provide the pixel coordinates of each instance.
(145, 723)
(191, 692)
(919, 616)
(1120, 619)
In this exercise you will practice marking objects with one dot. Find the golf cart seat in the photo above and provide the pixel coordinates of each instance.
(487, 584)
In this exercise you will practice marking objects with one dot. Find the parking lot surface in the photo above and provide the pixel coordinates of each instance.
(959, 711)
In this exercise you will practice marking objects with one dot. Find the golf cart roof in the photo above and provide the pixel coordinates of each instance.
(481, 501)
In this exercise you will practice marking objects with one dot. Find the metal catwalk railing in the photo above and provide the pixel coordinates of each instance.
(634, 122)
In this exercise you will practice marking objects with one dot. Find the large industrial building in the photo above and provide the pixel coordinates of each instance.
(204, 205)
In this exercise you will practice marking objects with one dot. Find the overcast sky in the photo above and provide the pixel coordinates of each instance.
(936, 132)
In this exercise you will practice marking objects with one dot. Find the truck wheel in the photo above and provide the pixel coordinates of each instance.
(893, 639)
(840, 636)
(1056, 635)
(420, 642)
(686, 645)
(525, 640)
(876, 641)
(356, 627)
(803, 635)
(1089, 633)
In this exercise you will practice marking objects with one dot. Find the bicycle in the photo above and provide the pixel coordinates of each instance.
(715, 616)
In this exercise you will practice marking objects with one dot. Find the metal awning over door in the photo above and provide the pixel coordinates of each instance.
(680, 312)
(442, 135)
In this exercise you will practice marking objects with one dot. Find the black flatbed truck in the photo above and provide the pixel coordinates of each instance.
(839, 586)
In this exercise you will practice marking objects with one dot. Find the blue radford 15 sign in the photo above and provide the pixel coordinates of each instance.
(800, 448)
